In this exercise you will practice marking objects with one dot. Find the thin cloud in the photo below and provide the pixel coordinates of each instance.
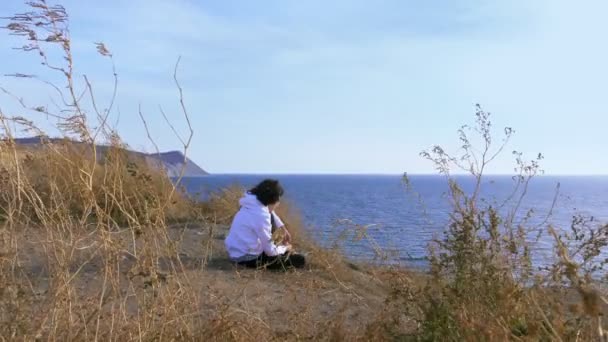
(401, 74)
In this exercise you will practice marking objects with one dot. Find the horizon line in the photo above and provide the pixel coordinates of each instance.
(393, 174)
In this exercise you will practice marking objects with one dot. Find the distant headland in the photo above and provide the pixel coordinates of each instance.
(172, 161)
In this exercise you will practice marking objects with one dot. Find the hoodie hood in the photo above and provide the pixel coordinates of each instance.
(249, 201)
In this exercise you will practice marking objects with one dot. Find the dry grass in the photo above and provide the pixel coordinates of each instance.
(482, 282)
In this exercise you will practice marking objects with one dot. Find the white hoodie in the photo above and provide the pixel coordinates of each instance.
(250, 233)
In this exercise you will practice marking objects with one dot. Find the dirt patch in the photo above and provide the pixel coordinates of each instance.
(292, 304)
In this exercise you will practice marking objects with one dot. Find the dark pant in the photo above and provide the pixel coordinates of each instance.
(278, 262)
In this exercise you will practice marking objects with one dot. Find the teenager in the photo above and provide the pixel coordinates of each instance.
(249, 241)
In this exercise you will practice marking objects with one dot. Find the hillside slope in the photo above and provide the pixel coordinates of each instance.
(171, 161)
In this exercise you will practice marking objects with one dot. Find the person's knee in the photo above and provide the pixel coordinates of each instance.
(297, 260)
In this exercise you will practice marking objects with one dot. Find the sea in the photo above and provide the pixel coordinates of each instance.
(389, 218)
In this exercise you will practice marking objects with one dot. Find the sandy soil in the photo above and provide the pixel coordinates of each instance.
(313, 296)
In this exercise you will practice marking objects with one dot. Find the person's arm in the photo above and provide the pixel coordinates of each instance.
(263, 231)
(279, 224)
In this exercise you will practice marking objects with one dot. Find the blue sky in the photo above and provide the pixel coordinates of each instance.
(345, 86)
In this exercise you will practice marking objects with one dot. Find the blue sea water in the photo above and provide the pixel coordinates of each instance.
(404, 218)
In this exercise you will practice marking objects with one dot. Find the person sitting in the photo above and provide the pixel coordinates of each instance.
(249, 242)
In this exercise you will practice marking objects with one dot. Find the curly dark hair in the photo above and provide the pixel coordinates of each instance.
(268, 191)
